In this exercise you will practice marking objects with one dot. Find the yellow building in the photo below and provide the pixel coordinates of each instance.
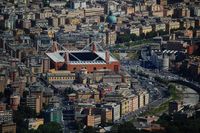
(93, 12)
(35, 69)
(124, 106)
(51, 33)
(83, 95)
(157, 13)
(172, 25)
(129, 10)
(145, 29)
(75, 13)
(88, 95)
(143, 98)
(35, 123)
(73, 21)
(135, 30)
(156, 7)
(158, 27)
(111, 37)
(54, 75)
(168, 12)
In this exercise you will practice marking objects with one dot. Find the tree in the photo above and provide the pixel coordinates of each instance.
(127, 127)
(175, 125)
(151, 34)
(172, 129)
(89, 129)
(20, 115)
(128, 44)
(8, 92)
(161, 32)
(190, 28)
(142, 36)
(164, 119)
(25, 93)
(79, 125)
(52, 127)
(143, 74)
(134, 37)
(1, 95)
(68, 90)
(123, 38)
(162, 81)
(132, 71)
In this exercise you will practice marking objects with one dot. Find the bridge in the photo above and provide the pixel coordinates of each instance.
(188, 93)
(188, 84)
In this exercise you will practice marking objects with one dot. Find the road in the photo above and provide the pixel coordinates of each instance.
(154, 87)
(132, 115)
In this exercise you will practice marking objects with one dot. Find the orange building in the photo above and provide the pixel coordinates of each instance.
(90, 120)
(106, 115)
(93, 120)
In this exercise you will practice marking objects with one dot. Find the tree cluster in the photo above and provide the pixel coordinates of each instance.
(24, 113)
(121, 38)
(180, 124)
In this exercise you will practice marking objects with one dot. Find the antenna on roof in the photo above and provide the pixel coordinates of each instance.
(55, 46)
(66, 57)
(94, 49)
(97, 46)
(158, 34)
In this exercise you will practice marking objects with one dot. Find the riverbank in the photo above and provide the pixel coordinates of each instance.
(190, 96)
(174, 95)
(177, 92)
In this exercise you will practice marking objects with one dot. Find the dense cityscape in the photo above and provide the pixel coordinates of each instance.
(99, 66)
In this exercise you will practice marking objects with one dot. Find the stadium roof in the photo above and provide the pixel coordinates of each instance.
(80, 57)
(56, 57)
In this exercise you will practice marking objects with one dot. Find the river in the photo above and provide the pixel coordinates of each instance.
(190, 96)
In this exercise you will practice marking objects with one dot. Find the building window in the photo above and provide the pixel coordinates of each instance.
(74, 68)
(94, 68)
(104, 67)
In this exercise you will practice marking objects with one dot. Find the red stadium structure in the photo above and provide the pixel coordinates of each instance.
(74, 60)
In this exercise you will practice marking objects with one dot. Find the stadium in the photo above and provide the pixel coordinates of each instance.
(88, 58)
